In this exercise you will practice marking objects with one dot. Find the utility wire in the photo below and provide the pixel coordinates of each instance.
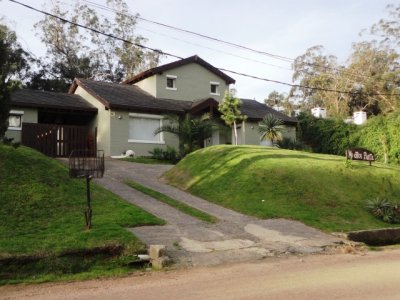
(216, 50)
(95, 30)
(286, 59)
(179, 57)
(305, 86)
(181, 40)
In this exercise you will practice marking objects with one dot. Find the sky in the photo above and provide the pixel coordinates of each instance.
(285, 28)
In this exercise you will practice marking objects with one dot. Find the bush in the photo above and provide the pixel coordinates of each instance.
(384, 209)
(10, 142)
(330, 136)
(157, 153)
(381, 136)
(170, 154)
(288, 143)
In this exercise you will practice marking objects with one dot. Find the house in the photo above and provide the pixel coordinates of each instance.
(319, 112)
(118, 117)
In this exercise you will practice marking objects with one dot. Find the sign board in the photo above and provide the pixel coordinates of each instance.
(360, 154)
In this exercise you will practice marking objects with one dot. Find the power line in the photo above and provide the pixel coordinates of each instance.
(176, 56)
(96, 31)
(216, 50)
(304, 86)
(286, 59)
(182, 40)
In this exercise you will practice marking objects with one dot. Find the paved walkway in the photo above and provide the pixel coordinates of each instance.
(191, 242)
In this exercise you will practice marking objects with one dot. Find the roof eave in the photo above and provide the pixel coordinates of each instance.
(176, 64)
(62, 107)
(77, 83)
(146, 109)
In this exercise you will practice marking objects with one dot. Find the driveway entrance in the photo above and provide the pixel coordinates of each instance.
(235, 237)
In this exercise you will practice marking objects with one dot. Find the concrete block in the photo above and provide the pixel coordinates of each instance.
(160, 262)
(157, 251)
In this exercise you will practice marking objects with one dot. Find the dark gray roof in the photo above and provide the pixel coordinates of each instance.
(192, 59)
(256, 111)
(125, 96)
(44, 99)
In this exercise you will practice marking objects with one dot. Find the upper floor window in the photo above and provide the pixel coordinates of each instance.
(171, 82)
(214, 88)
(15, 120)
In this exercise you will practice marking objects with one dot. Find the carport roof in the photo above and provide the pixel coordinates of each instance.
(45, 99)
(255, 110)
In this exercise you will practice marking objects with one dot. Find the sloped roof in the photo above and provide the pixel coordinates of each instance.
(255, 110)
(45, 99)
(124, 96)
(178, 63)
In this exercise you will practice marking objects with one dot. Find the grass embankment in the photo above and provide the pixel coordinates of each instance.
(189, 210)
(42, 232)
(316, 189)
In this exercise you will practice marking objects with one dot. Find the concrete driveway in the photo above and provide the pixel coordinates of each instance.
(191, 242)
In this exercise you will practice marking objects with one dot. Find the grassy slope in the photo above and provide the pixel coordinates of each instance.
(316, 189)
(42, 209)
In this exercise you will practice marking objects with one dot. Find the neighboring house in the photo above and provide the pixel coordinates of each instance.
(124, 116)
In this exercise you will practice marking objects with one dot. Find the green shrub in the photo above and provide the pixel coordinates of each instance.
(381, 136)
(288, 143)
(170, 154)
(157, 153)
(330, 136)
(384, 209)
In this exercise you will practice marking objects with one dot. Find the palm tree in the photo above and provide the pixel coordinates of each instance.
(190, 131)
(270, 128)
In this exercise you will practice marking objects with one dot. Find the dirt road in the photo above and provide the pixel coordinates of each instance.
(375, 275)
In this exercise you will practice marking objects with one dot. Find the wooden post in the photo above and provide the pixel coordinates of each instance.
(88, 212)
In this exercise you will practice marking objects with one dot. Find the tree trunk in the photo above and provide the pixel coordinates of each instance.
(235, 133)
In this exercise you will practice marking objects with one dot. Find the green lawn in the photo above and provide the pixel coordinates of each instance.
(316, 189)
(201, 215)
(42, 216)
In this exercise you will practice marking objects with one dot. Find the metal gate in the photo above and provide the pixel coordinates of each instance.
(57, 140)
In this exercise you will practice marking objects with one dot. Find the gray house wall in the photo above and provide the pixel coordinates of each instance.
(30, 116)
(101, 121)
(193, 82)
(149, 85)
(251, 135)
(120, 136)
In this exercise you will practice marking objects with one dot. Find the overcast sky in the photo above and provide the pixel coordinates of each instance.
(285, 27)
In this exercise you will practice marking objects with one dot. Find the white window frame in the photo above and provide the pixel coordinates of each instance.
(173, 77)
(148, 116)
(19, 113)
(216, 84)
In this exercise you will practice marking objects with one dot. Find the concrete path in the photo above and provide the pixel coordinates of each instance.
(191, 242)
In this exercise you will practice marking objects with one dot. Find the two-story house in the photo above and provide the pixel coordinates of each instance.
(124, 116)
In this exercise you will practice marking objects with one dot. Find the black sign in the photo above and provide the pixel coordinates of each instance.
(360, 154)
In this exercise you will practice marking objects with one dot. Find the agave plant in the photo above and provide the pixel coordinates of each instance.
(378, 206)
(384, 209)
(270, 128)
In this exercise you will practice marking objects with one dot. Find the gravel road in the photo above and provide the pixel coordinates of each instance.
(374, 275)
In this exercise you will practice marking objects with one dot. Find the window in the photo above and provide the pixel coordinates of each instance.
(142, 127)
(15, 120)
(171, 82)
(214, 88)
